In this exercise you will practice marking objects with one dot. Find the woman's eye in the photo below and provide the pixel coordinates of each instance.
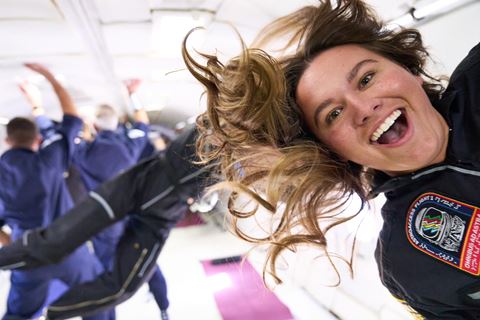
(332, 115)
(365, 80)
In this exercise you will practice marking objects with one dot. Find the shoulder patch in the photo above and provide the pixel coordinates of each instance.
(136, 133)
(53, 138)
(446, 229)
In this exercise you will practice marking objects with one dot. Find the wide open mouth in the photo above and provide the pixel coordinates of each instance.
(392, 130)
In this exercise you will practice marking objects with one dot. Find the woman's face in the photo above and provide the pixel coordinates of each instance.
(371, 111)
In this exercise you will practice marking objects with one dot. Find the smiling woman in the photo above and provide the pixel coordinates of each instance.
(353, 111)
(368, 109)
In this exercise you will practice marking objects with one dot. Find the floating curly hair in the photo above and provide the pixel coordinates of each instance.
(255, 130)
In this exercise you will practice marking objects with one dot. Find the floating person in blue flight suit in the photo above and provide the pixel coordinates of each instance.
(153, 194)
(47, 127)
(101, 159)
(112, 151)
(33, 194)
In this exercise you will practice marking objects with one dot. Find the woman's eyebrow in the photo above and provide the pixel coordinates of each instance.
(353, 73)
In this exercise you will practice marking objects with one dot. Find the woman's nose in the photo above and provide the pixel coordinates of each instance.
(364, 108)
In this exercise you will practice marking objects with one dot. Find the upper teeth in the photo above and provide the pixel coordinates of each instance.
(385, 125)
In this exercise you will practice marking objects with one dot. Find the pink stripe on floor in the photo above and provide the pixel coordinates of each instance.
(246, 298)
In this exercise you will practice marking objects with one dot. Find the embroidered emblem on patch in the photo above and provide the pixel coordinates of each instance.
(446, 229)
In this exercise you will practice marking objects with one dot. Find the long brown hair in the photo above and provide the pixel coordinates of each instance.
(256, 131)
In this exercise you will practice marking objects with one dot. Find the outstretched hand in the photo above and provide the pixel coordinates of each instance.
(132, 85)
(66, 102)
(32, 93)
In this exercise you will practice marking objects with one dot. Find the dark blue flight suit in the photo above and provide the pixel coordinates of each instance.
(33, 194)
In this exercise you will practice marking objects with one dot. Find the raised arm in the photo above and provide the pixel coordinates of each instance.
(139, 113)
(66, 102)
(33, 96)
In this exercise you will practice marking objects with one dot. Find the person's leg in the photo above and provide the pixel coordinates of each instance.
(104, 252)
(27, 295)
(105, 243)
(56, 289)
(135, 259)
(78, 268)
(158, 287)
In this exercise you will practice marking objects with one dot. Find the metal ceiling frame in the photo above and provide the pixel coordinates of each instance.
(83, 16)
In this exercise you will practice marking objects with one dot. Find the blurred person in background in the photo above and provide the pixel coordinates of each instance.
(112, 151)
(33, 194)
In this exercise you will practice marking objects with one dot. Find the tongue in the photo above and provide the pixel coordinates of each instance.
(393, 134)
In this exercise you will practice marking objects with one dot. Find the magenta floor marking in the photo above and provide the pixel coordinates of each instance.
(245, 298)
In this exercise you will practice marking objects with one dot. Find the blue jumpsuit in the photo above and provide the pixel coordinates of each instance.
(110, 153)
(33, 194)
(75, 184)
